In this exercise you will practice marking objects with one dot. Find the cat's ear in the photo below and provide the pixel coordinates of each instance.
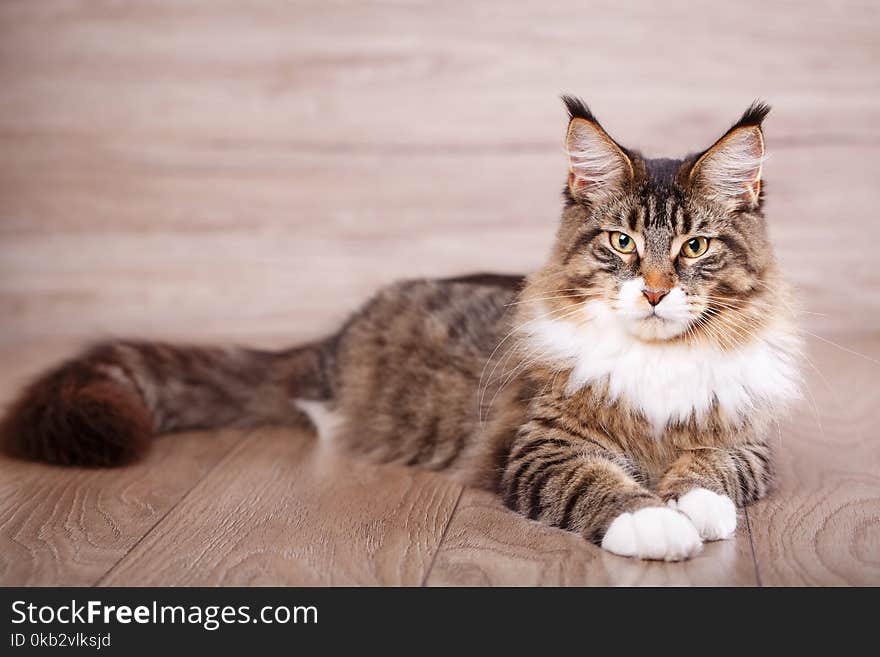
(597, 166)
(730, 171)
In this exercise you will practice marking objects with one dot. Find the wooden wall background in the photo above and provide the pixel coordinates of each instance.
(218, 170)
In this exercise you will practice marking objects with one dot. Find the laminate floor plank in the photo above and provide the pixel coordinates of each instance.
(488, 545)
(822, 525)
(197, 172)
(288, 509)
(69, 526)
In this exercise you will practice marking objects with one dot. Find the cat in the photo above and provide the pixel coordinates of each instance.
(626, 391)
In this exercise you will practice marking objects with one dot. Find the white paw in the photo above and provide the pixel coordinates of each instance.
(653, 533)
(713, 515)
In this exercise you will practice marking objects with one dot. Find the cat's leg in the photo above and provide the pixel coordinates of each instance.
(708, 484)
(581, 485)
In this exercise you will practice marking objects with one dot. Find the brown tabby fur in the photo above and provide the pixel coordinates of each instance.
(418, 376)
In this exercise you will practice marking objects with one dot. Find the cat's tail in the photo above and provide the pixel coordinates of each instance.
(102, 407)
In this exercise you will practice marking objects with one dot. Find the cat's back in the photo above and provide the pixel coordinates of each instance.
(461, 316)
(409, 362)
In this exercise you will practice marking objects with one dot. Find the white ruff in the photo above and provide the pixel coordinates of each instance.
(670, 382)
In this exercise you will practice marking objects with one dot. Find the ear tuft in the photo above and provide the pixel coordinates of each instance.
(577, 109)
(754, 115)
(730, 171)
(597, 166)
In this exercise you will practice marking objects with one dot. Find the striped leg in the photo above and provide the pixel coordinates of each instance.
(708, 484)
(577, 483)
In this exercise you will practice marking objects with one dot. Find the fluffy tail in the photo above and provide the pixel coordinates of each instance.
(103, 407)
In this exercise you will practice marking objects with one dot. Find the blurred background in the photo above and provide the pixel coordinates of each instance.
(253, 171)
(210, 170)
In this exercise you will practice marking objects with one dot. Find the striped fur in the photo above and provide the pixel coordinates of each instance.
(500, 380)
(102, 407)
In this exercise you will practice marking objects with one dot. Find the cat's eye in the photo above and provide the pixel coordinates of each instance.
(694, 247)
(622, 242)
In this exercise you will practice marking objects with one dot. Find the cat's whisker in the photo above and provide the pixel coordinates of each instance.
(733, 317)
(763, 304)
(827, 385)
(512, 332)
(567, 296)
(505, 370)
(729, 322)
(815, 406)
(743, 303)
(556, 374)
(571, 312)
(530, 359)
(712, 301)
(774, 291)
(551, 383)
(701, 322)
(526, 362)
(818, 337)
(481, 387)
(751, 320)
(726, 342)
(690, 333)
(842, 348)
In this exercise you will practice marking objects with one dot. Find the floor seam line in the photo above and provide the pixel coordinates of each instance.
(752, 546)
(234, 448)
(442, 537)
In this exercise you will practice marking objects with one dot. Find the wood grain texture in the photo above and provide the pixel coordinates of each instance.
(297, 268)
(196, 171)
(488, 545)
(822, 524)
(286, 509)
(315, 151)
(69, 526)
(376, 73)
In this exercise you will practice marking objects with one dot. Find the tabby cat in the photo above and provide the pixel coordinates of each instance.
(626, 391)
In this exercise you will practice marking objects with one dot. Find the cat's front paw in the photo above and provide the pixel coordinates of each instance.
(653, 533)
(713, 515)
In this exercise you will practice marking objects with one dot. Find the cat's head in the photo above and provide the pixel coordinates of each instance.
(676, 250)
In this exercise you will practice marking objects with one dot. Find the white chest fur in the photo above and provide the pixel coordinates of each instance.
(670, 382)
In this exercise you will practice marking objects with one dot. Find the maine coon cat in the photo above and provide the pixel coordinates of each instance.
(626, 391)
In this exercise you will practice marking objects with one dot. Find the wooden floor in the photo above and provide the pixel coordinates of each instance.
(202, 172)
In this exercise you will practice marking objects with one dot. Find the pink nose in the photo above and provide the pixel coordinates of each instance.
(654, 296)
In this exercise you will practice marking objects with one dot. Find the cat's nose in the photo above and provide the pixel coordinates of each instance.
(654, 296)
